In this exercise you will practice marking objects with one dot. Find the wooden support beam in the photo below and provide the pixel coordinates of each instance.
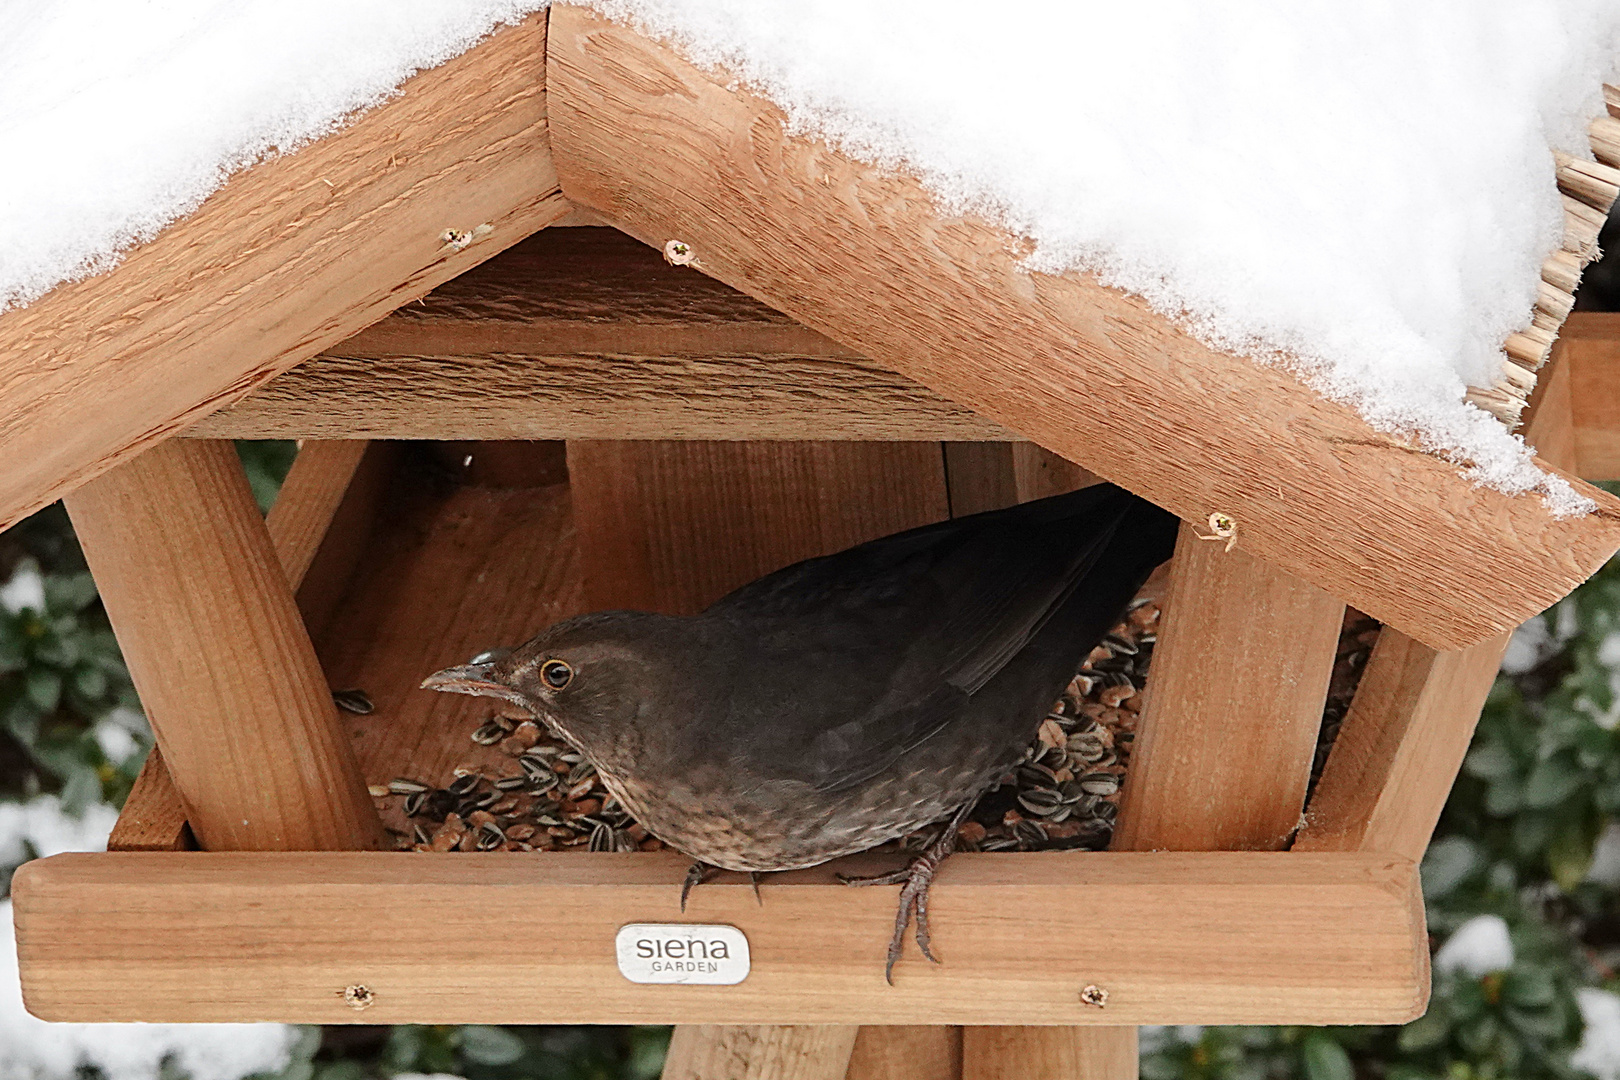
(316, 513)
(746, 1052)
(666, 149)
(1400, 746)
(1403, 741)
(219, 654)
(1234, 701)
(907, 1052)
(1588, 352)
(671, 526)
(290, 257)
(991, 475)
(1200, 937)
(588, 334)
(1048, 1053)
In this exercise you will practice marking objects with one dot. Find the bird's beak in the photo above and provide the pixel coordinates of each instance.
(470, 679)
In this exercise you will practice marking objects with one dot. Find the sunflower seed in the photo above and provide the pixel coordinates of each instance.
(572, 757)
(402, 786)
(1099, 783)
(413, 803)
(489, 734)
(511, 783)
(1041, 801)
(1029, 832)
(354, 701)
(1107, 811)
(581, 772)
(461, 785)
(490, 836)
(601, 837)
(378, 791)
(1119, 644)
(623, 841)
(421, 835)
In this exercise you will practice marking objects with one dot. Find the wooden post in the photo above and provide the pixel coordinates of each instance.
(673, 526)
(758, 1052)
(1048, 1053)
(907, 1052)
(219, 654)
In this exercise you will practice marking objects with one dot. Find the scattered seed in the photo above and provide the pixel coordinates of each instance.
(489, 734)
(354, 701)
(414, 802)
(402, 786)
(511, 783)
(461, 785)
(377, 791)
(1099, 783)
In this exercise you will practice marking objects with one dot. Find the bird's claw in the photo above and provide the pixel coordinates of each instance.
(696, 874)
(914, 881)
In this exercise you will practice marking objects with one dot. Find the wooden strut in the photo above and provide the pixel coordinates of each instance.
(661, 147)
(219, 653)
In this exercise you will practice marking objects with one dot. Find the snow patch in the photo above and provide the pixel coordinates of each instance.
(1477, 947)
(1599, 1052)
(24, 590)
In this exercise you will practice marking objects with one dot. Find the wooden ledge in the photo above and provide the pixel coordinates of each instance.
(1219, 938)
(586, 333)
(666, 150)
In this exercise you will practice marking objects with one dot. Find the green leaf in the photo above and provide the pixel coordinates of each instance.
(44, 688)
(1325, 1059)
(1426, 1032)
(69, 592)
(1529, 987)
(486, 1045)
(1490, 761)
(1550, 783)
(1447, 863)
(1569, 856)
(1504, 797)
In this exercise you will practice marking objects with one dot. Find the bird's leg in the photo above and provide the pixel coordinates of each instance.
(696, 874)
(753, 879)
(914, 881)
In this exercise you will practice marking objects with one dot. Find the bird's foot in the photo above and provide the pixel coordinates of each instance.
(914, 881)
(697, 874)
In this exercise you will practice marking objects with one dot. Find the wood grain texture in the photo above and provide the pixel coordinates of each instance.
(1400, 746)
(664, 149)
(290, 257)
(219, 654)
(1051, 1053)
(1403, 740)
(152, 818)
(587, 333)
(907, 1052)
(673, 526)
(459, 568)
(308, 501)
(317, 525)
(1240, 673)
(1589, 350)
(745, 1052)
(990, 475)
(1241, 937)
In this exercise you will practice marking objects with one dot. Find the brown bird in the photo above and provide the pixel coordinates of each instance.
(842, 701)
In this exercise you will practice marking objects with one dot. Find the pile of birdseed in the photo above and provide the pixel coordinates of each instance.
(1063, 796)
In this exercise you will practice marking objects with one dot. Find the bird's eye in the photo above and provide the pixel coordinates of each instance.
(556, 674)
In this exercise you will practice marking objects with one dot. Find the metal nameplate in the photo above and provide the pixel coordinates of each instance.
(694, 954)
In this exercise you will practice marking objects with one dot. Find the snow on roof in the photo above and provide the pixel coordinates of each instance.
(1361, 191)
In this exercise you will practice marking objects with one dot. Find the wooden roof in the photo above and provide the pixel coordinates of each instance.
(298, 254)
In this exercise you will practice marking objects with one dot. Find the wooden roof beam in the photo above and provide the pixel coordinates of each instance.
(667, 150)
(586, 333)
(290, 257)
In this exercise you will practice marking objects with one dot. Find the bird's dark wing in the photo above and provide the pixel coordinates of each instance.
(898, 634)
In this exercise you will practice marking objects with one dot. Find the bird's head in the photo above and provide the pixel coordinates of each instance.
(584, 677)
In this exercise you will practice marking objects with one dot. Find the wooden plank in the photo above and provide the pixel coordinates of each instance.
(666, 149)
(1240, 673)
(287, 259)
(673, 526)
(1220, 938)
(1589, 349)
(347, 533)
(907, 1052)
(219, 655)
(743, 1052)
(1050, 1053)
(152, 818)
(588, 334)
(1400, 746)
(991, 475)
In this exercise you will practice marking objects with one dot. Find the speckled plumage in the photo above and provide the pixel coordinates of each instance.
(842, 701)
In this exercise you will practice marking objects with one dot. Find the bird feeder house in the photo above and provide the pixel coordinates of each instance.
(512, 408)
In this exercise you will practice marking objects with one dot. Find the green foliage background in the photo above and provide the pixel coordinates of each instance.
(1539, 786)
